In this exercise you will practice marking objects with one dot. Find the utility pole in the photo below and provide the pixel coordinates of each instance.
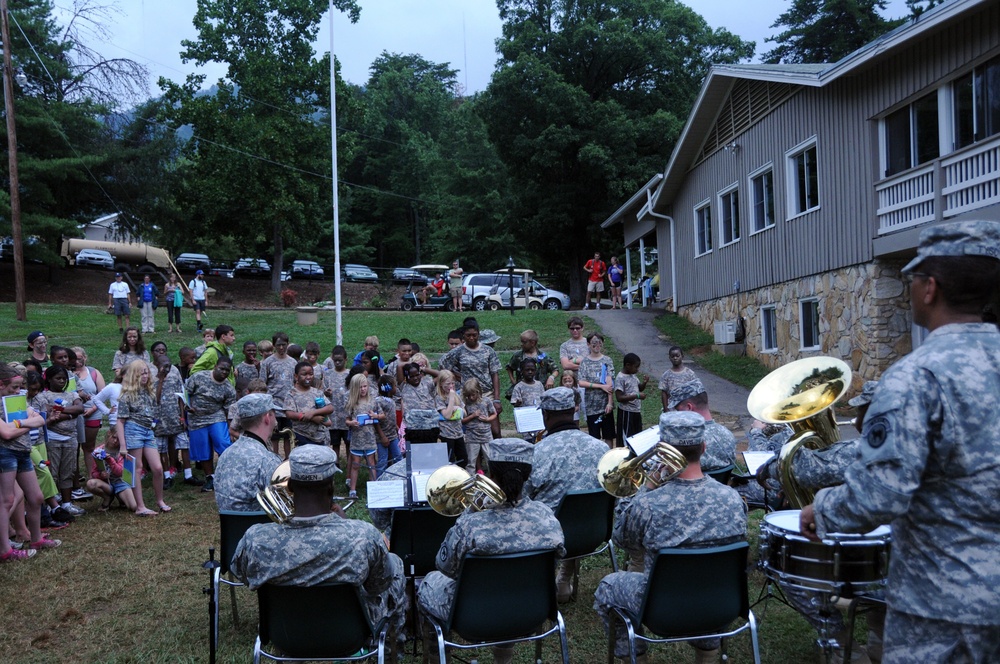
(15, 197)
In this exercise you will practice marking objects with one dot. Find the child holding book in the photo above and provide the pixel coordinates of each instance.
(630, 390)
(528, 392)
(362, 414)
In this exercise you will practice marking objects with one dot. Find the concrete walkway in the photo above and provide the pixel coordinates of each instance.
(633, 332)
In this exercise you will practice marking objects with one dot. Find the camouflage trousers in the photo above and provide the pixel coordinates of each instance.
(436, 594)
(910, 638)
(392, 603)
(624, 591)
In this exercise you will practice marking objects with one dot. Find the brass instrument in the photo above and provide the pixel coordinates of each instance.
(801, 394)
(451, 490)
(277, 501)
(621, 473)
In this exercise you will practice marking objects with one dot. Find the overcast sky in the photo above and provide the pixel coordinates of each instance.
(460, 32)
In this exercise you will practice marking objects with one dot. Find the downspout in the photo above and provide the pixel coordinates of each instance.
(673, 256)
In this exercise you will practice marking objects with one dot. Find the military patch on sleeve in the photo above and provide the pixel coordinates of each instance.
(876, 431)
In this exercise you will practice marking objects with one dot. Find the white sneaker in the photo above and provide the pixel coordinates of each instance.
(73, 509)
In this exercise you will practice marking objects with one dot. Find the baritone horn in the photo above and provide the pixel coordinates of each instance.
(451, 490)
(801, 394)
(621, 472)
(275, 498)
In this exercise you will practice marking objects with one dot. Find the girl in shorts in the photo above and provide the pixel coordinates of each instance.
(107, 484)
(451, 408)
(362, 414)
(136, 420)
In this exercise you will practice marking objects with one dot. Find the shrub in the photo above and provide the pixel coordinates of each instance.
(288, 297)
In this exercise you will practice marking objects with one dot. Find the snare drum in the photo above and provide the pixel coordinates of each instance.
(842, 564)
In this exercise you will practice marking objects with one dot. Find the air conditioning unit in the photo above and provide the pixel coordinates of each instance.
(725, 332)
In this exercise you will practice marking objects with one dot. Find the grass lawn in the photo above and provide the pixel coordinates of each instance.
(124, 589)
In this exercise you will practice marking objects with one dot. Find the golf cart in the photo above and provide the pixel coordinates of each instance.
(499, 297)
(417, 297)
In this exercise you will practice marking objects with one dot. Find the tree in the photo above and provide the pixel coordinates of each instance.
(587, 101)
(827, 30)
(258, 159)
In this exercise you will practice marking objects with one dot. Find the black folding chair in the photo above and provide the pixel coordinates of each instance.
(587, 519)
(233, 525)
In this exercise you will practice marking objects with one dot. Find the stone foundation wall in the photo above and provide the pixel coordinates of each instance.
(864, 317)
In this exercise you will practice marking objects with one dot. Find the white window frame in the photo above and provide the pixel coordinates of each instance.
(752, 203)
(802, 324)
(725, 201)
(792, 181)
(698, 223)
(765, 329)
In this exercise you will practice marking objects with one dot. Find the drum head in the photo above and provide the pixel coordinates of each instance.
(785, 520)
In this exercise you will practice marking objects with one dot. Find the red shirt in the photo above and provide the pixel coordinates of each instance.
(597, 269)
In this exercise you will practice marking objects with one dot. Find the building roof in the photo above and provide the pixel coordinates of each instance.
(716, 86)
(635, 203)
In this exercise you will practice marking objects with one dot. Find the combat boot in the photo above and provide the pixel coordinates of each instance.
(503, 654)
(564, 581)
(706, 656)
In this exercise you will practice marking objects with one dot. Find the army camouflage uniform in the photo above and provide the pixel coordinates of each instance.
(682, 513)
(720, 447)
(590, 371)
(480, 364)
(325, 549)
(929, 467)
(208, 399)
(279, 376)
(245, 373)
(526, 526)
(478, 433)
(546, 367)
(243, 470)
(419, 413)
(171, 424)
(565, 460)
(570, 349)
(298, 401)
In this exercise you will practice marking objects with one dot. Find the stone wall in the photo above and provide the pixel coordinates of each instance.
(864, 317)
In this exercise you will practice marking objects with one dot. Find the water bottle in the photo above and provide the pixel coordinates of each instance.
(320, 402)
(57, 406)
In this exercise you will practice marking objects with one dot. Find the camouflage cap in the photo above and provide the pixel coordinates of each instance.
(867, 391)
(682, 429)
(253, 405)
(511, 450)
(488, 337)
(558, 398)
(312, 463)
(683, 392)
(960, 238)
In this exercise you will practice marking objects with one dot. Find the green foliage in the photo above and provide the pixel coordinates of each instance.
(745, 371)
(587, 102)
(682, 332)
(827, 30)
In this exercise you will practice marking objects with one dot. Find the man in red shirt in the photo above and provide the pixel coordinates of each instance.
(596, 268)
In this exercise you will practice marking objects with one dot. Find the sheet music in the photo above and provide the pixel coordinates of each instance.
(528, 418)
(386, 494)
(419, 481)
(755, 460)
(644, 440)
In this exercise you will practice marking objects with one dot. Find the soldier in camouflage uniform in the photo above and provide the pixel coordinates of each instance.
(320, 545)
(246, 467)
(720, 443)
(690, 511)
(929, 460)
(564, 461)
(519, 524)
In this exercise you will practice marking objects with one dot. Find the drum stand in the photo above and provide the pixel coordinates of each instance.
(827, 606)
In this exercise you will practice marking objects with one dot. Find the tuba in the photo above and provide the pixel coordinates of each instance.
(801, 394)
(275, 498)
(621, 473)
(451, 490)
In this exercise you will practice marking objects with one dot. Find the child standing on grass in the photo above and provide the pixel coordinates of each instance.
(597, 375)
(136, 419)
(207, 337)
(630, 390)
(676, 375)
(61, 409)
(546, 371)
(362, 414)
(569, 380)
(307, 408)
(132, 348)
(265, 348)
(479, 413)
(107, 484)
(419, 415)
(449, 405)
(312, 357)
(528, 392)
(248, 369)
(371, 343)
(278, 371)
(388, 431)
(335, 390)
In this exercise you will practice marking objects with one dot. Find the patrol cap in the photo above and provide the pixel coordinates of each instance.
(558, 398)
(312, 463)
(867, 392)
(960, 238)
(511, 450)
(488, 337)
(682, 428)
(256, 404)
(685, 391)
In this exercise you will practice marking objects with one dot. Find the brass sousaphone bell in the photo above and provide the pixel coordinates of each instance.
(275, 498)
(801, 395)
(451, 490)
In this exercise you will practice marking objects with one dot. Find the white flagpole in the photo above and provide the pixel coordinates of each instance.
(336, 200)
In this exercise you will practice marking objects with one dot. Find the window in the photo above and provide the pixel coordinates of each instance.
(803, 178)
(977, 104)
(762, 191)
(768, 329)
(703, 228)
(809, 324)
(729, 213)
(911, 135)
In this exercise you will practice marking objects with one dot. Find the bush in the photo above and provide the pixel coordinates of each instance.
(288, 297)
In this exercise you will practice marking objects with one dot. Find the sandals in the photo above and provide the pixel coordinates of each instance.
(146, 512)
(165, 508)
(106, 504)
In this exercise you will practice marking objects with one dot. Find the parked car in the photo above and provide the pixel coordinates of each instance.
(476, 288)
(252, 267)
(306, 270)
(220, 269)
(363, 273)
(95, 258)
(192, 262)
(524, 291)
(406, 275)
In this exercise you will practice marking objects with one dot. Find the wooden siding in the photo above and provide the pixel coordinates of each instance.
(843, 117)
